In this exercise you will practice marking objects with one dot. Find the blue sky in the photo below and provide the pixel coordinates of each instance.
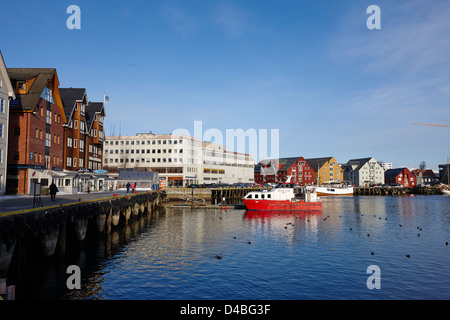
(311, 69)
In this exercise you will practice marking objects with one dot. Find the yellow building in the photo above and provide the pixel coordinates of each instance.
(327, 169)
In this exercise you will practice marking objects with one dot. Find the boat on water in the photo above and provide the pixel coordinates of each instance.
(282, 199)
(332, 188)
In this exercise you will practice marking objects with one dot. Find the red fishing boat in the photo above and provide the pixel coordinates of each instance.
(282, 199)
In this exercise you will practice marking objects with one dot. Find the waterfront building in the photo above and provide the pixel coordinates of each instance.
(6, 94)
(279, 170)
(35, 127)
(325, 169)
(444, 173)
(425, 177)
(179, 160)
(95, 117)
(75, 130)
(83, 131)
(400, 176)
(363, 172)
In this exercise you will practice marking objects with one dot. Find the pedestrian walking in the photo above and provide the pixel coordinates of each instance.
(128, 187)
(53, 190)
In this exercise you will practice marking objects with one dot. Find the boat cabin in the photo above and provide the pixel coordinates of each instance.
(281, 194)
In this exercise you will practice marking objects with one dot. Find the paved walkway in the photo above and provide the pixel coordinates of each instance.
(10, 204)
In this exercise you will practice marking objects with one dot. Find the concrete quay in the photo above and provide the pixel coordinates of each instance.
(29, 234)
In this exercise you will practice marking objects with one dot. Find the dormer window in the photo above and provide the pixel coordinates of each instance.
(47, 95)
(21, 85)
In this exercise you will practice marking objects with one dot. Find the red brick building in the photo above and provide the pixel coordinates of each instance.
(83, 131)
(36, 130)
(400, 176)
(95, 116)
(279, 170)
(75, 129)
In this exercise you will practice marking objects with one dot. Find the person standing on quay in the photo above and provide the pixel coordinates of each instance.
(128, 187)
(53, 190)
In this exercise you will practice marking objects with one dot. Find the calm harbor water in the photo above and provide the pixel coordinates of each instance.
(230, 254)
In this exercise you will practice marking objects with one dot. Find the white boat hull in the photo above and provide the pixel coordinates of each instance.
(330, 191)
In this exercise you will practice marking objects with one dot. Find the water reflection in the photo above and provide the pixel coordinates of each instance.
(288, 224)
(179, 253)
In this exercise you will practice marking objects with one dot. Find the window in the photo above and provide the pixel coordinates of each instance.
(69, 161)
(2, 106)
(74, 162)
(47, 94)
(48, 138)
(75, 145)
(69, 142)
(1, 155)
(1, 130)
(49, 117)
(75, 125)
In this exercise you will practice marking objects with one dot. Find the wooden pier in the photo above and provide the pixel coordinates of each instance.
(395, 191)
(230, 195)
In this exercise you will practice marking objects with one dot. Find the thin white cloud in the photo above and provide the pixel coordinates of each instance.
(179, 21)
(230, 19)
(414, 39)
(407, 62)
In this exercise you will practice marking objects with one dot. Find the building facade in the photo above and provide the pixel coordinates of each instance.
(400, 176)
(35, 127)
(83, 131)
(95, 117)
(179, 160)
(280, 170)
(75, 129)
(444, 173)
(6, 94)
(425, 177)
(325, 169)
(363, 172)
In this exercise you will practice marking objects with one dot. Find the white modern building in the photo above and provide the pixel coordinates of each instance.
(6, 93)
(179, 160)
(363, 172)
